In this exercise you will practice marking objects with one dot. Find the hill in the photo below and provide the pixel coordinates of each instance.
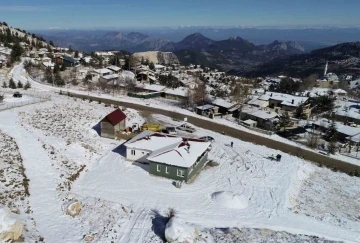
(232, 53)
(343, 58)
(11, 35)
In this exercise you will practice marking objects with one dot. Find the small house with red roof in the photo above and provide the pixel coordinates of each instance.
(112, 124)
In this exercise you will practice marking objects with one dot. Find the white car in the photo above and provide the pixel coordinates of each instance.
(186, 128)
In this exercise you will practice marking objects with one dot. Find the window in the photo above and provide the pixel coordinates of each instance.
(132, 152)
(158, 168)
(167, 170)
(180, 173)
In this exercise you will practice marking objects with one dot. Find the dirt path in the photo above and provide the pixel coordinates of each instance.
(235, 133)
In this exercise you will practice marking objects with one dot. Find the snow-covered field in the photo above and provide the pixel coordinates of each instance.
(74, 171)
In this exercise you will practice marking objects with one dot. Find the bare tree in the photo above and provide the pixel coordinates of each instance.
(240, 94)
(200, 94)
(188, 101)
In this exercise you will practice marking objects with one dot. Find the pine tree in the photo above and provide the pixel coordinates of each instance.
(56, 68)
(299, 113)
(152, 66)
(12, 84)
(19, 85)
(27, 85)
(16, 52)
(76, 55)
(284, 120)
(4, 85)
(331, 137)
(58, 80)
(49, 75)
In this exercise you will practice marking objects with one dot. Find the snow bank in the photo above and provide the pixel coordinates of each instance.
(10, 227)
(178, 231)
(303, 173)
(230, 200)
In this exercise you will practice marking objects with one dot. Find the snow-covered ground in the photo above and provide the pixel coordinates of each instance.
(67, 163)
(18, 74)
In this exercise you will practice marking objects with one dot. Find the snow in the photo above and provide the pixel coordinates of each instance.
(118, 197)
(230, 200)
(10, 227)
(340, 127)
(178, 231)
(110, 76)
(151, 87)
(181, 156)
(259, 113)
(289, 100)
(222, 103)
(178, 91)
(153, 143)
(102, 71)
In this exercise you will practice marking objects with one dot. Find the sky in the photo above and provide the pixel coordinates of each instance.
(66, 14)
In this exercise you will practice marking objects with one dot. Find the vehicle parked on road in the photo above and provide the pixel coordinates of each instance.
(17, 94)
(208, 138)
(155, 127)
(170, 130)
(186, 128)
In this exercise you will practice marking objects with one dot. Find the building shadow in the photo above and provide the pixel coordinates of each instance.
(121, 149)
(143, 166)
(97, 128)
(159, 224)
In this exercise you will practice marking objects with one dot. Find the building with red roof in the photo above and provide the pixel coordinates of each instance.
(113, 123)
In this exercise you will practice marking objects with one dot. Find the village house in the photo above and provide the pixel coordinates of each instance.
(168, 156)
(67, 61)
(265, 119)
(111, 78)
(344, 133)
(150, 87)
(179, 93)
(207, 110)
(285, 102)
(114, 69)
(112, 124)
(225, 107)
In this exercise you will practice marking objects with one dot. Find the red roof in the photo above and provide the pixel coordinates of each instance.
(115, 117)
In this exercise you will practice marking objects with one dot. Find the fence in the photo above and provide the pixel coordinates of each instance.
(36, 97)
(144, 96)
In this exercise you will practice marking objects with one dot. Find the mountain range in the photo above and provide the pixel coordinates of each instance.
(343, 58)
(232, 53)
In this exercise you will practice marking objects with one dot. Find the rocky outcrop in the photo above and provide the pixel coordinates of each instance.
(10, 228)
(158, 57)
(178, 231)
(74, 209)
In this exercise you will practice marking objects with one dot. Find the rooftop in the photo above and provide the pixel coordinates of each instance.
(182, 154)
(287, 99)
(111, 76)
(151, 87)
(262, 114)
(115, 117)
(114, 68)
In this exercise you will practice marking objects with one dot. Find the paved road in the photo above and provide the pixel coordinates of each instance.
(229, 131)
(235, 133)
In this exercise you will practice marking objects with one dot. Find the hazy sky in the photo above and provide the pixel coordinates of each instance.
(45, 14)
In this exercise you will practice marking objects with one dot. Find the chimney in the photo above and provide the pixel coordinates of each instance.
(292, 101)
(270, 94)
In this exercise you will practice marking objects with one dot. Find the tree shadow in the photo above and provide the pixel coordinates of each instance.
(159, 224)
(97, 128)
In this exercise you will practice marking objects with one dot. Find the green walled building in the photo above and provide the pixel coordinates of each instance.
(168, 156)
